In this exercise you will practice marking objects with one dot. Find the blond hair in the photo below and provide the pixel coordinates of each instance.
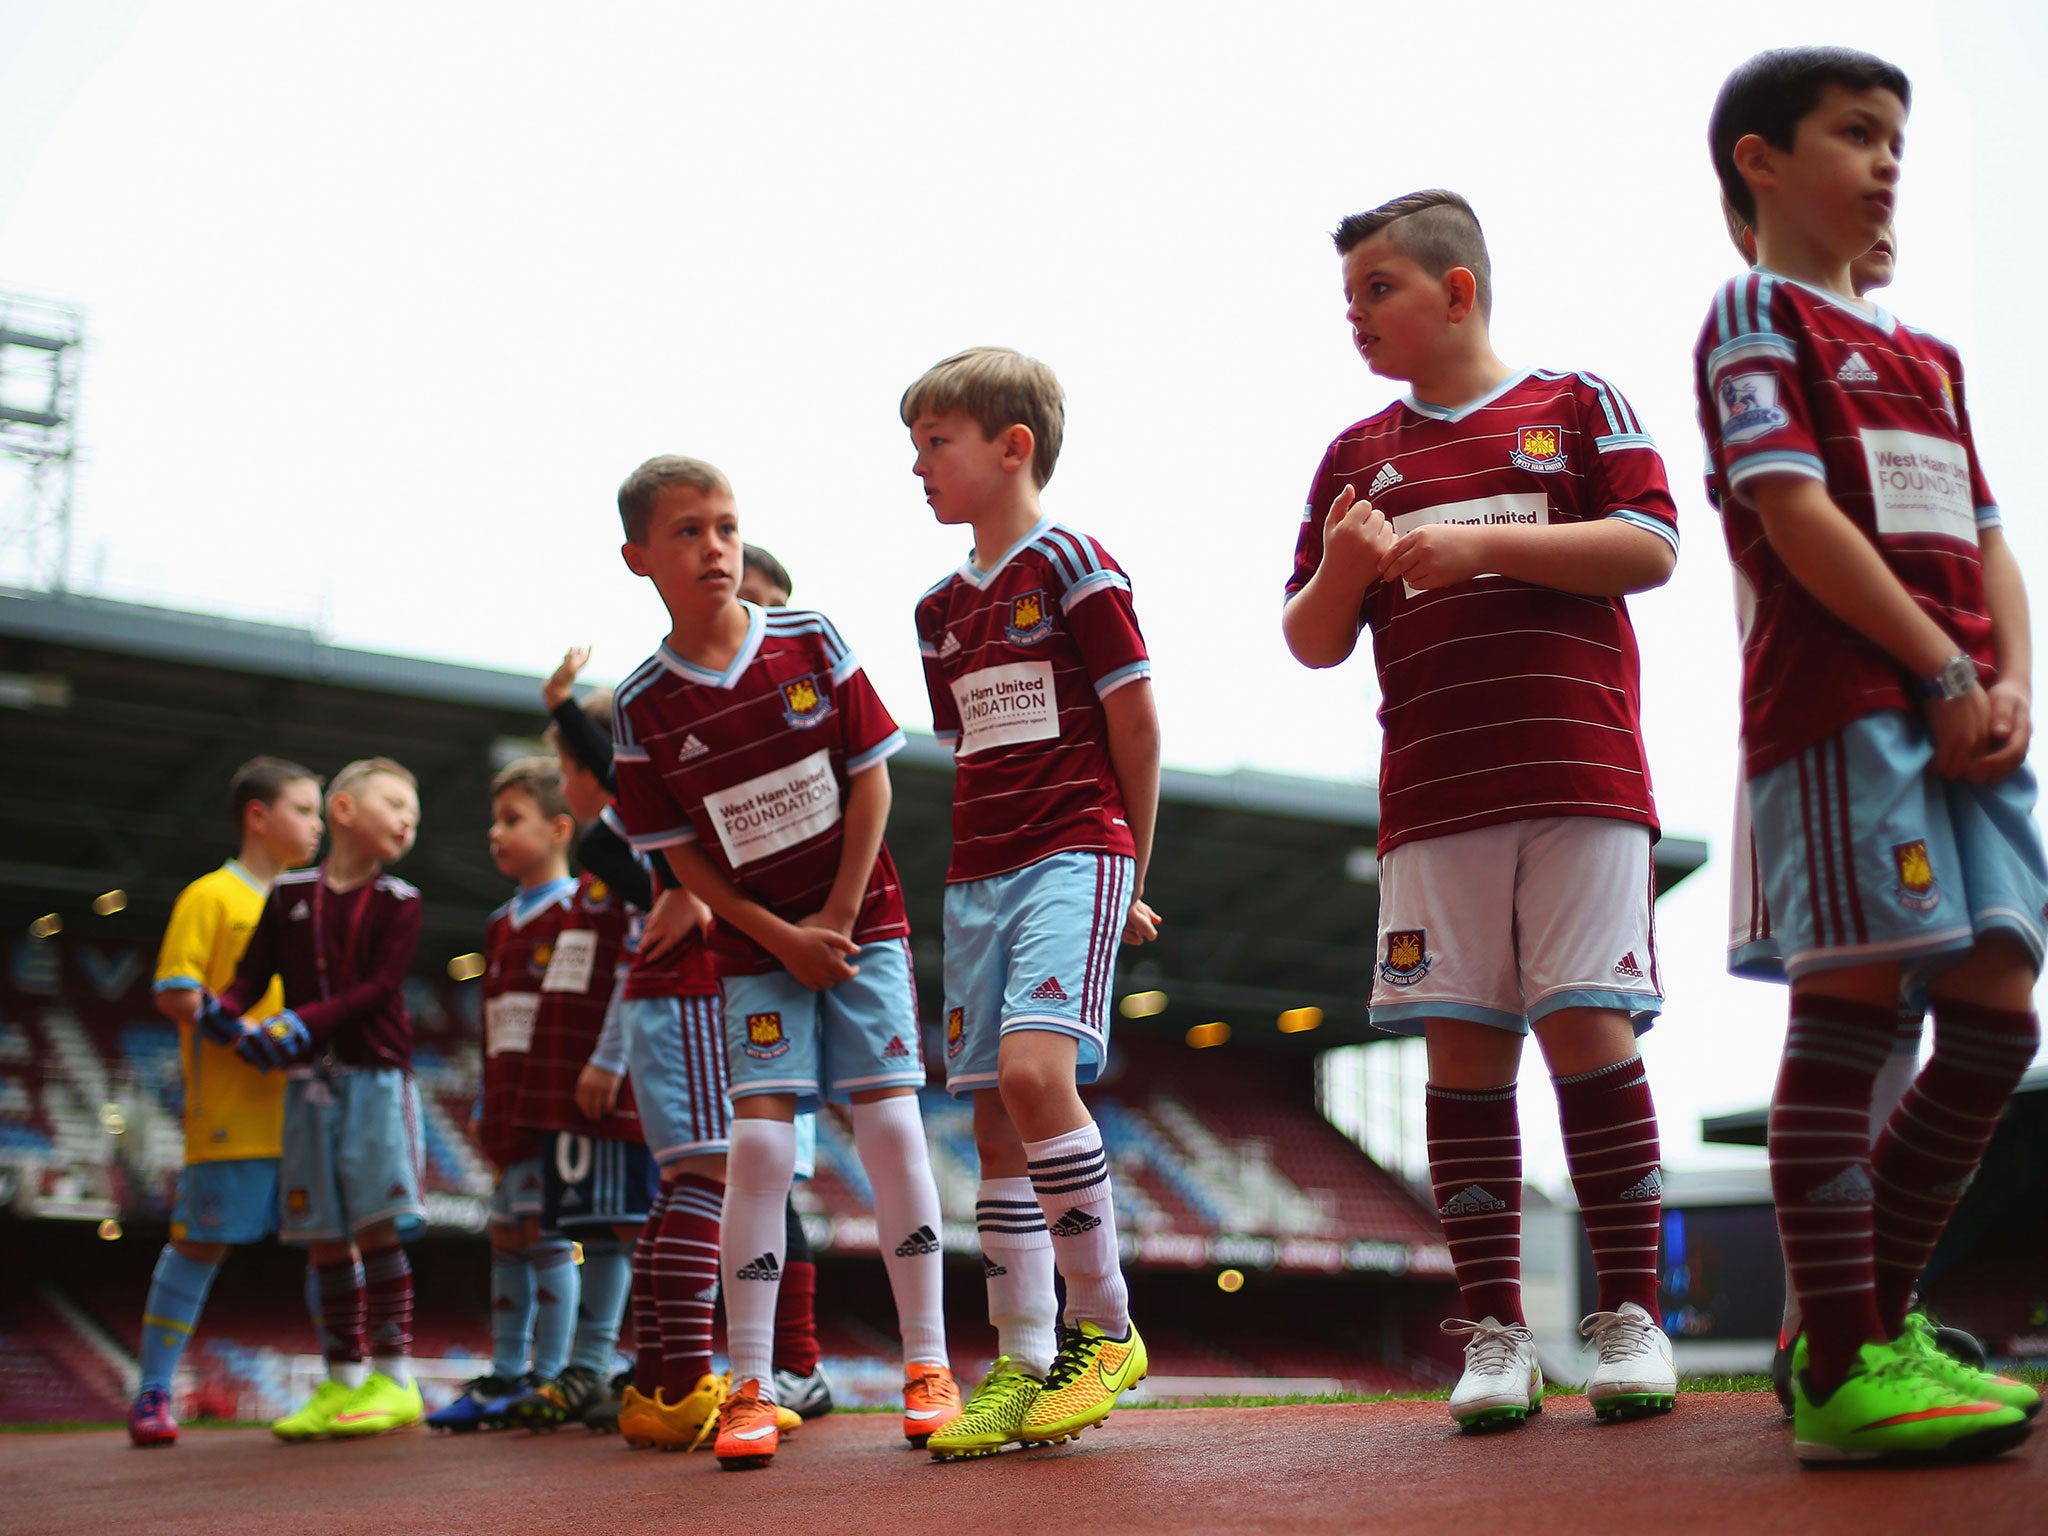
(998, 389)
(636, 495)
(363, 768)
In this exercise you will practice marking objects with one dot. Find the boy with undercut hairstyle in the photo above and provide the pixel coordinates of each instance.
(751, 749)
(534, 1289)
(227, 1193)
(1885, 718)
(341, 937)
(1040, 683)
(1486, 528)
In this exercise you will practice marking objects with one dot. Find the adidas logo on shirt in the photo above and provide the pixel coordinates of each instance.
(1074, 1223)
(923, 1240)
(1855, 370)
(1626, 966)
(763, 1268)
(691, 749)
(1049, 991)
(950, 646)
(1471, 1201)
(301, 912)
(1849, 1187)
(1388, 476)
(895, 1050)
(1646, 1188)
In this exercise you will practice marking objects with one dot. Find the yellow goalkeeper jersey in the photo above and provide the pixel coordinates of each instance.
(231, 1109)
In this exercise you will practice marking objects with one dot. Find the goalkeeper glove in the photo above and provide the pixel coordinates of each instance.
(277, 1042)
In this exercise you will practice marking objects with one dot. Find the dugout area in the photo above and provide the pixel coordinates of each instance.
(122, 724)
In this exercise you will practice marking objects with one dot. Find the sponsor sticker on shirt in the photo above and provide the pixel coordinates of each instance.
(1920, 484)
(574, 959)
(776, 810)
(1527, 509)
(1002, 705)
(508, 1022)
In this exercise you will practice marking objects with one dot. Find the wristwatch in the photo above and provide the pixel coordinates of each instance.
(1958, 675)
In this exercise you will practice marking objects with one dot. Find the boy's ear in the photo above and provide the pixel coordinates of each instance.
(635, 556)
(1756, 160)
(1461, 293)
(1019, 443)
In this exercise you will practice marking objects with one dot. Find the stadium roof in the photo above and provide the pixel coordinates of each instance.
(123, 723)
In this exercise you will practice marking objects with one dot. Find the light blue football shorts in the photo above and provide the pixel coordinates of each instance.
(1033, 949)
(352, 1154)
(781, 1037)
(1865, 855)
(675, 1054)
(231, 1201)
(517, 1194)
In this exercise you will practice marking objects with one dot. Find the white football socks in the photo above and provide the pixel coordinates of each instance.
(888, 1134)
(758, 1169)
(1070, 1176)
(1016, 1257)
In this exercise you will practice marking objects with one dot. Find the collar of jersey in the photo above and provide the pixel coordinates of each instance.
(1869, 314)
(237, 868)
(980, 578)
(528, 905)
(757, 624)
(1460, 412)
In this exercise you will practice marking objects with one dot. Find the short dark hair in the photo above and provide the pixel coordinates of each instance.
(1771, 94)
(538, 778)
(636, 496)
(770, 569)
(261, 780)
(1435, 229)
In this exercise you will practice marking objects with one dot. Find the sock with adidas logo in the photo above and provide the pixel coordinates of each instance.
(1610, 1145)
(888, 1136)
(686, 1281)
(1936, 1138)
(1475, 1173)
(1070, 1177)
(759, 1166)
(1820, 1173)
(1016, 1258)
(557, 1292)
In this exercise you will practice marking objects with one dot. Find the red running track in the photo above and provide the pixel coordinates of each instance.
(1721, 1463)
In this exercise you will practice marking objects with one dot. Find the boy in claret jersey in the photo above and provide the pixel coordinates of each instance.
(1486, 529)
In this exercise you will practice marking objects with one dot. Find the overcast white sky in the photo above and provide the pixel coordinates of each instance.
(386, 299)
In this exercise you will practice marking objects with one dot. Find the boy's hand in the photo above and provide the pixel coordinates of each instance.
(556, 688)
(816, 955)
(597, 1091)
(675, 916)
(1142, 925)
(1959, 727)
(1356, 537)
(2009, 734)
(1435, 555)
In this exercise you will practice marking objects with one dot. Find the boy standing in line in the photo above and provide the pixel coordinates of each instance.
(1486, 528)
(752, 750)
(227, 1193)
(1887, 670)
(534, 1290)
(1040, 682)
(342, 938)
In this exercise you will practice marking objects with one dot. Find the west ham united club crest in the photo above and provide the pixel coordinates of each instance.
(1408, 960)
(1917, 887)
(803, 704)
(1028, 622)
(956, 1030)
(1538, 449)
(765, 1039)
(597, 897)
